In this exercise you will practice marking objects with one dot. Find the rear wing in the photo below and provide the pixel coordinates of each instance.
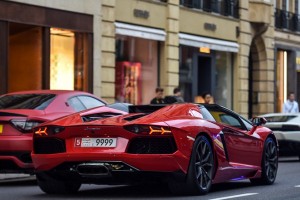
(145, 108)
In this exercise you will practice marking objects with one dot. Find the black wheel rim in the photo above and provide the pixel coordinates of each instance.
(204, 165)
(271, 160)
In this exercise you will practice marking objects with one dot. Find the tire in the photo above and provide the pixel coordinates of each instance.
(269, 164)
(200, 172)
(50, 185)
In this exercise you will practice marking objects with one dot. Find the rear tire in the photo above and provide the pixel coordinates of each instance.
(50, 185)
(269, 164)
(200, 171)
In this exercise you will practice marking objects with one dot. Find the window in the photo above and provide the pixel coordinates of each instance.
(62, 59)
(76, 104)
(136, 69)
(225, 117)
(90, 102)
(26, 101)
(247, 123)
(206, 114)
(229, 120)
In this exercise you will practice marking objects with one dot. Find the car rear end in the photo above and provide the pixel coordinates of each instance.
(286, 128)
(109, 150)
(16, 141)
(19, 113)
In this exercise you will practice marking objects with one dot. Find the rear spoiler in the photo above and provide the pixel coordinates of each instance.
(145, 108)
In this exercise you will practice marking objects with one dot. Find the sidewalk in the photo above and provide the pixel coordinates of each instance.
(13, 176)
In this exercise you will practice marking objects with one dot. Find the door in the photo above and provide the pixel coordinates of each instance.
(241, 148)
(203, 76)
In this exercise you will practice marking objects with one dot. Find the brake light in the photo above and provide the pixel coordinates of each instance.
(148, 129)
(24, 126)
(48, 130)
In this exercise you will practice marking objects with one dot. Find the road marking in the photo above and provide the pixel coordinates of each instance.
(235, 196)
(297, 185)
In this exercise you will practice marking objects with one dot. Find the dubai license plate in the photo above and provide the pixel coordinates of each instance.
(96, 142)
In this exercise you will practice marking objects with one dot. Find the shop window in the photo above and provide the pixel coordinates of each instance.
(62, 44)
(136, 69)
(68, 60)
(223, 79)
(281, 79)
(210, 72)
(25, 52)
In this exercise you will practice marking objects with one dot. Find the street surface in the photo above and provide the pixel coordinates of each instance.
(286, 186)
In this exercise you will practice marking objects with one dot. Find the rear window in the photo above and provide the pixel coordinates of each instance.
(281, 118)
(26, 101)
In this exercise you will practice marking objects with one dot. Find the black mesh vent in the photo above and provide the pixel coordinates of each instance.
(48, 145)
(156, 145)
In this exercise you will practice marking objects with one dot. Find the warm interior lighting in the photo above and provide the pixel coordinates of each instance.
(284, 75)
(204, 50)
(62, 59)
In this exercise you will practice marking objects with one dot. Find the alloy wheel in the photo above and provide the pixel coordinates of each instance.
(271, 160)
(204, 164)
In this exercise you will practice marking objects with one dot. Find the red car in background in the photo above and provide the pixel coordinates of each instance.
(189, 146)
(21, 111)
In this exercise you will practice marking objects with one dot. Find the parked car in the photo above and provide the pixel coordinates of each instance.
(190, 146)
(21, 111)
(286, 127)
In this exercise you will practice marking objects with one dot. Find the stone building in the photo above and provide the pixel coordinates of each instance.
(245, 53)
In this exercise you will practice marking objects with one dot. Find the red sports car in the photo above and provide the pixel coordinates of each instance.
(190, 146)
(21, 111)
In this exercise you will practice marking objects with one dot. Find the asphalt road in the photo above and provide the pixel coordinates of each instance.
(286, 186)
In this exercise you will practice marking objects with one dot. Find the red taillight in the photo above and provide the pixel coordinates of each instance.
(24, 126)
(48, 130)
(149, 129)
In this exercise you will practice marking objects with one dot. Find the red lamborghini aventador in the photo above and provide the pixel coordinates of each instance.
(189, 146)
(21, 111)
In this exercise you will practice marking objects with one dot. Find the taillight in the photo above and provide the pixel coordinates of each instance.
(48, 130)
(24, 126)
(149, 129)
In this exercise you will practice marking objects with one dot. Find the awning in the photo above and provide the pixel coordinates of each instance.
(140, 31)
(214, 44)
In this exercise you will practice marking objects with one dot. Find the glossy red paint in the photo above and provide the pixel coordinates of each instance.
(16, 145)
(237, 152)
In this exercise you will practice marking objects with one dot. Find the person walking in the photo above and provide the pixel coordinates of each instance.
(159, 96)
(291, 105)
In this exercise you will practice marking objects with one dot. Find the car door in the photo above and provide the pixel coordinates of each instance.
(240, 147)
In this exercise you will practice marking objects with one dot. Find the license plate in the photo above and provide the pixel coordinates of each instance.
(96, 142)
(1, 128)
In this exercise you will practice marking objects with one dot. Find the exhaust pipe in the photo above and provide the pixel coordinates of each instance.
(92, 169)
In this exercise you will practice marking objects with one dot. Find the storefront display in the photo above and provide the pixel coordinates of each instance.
(136, 69)
(128, 82)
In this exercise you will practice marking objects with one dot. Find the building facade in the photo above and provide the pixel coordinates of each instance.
(223, 47)
(50, 45)
(245, 53)
(287, 50)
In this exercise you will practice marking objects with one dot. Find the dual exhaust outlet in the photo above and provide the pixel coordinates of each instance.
(102, 168)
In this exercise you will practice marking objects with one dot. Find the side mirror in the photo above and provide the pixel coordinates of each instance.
(258, 121)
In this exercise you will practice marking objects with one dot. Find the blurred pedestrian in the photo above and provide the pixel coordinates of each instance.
(290, 105)
(177, 94)
(206, 96)
(159, 96)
